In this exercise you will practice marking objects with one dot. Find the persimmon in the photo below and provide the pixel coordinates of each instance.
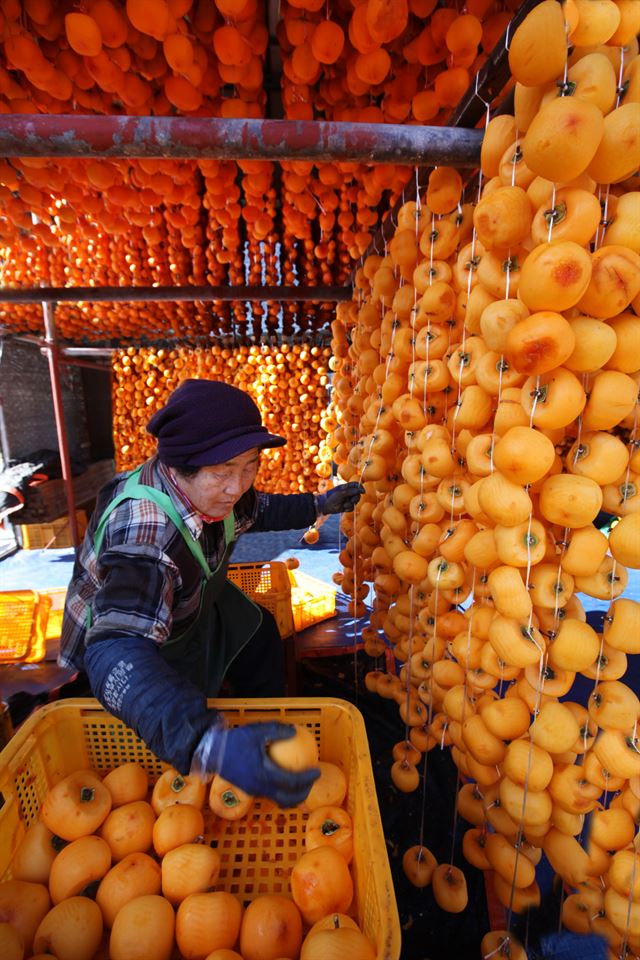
(171, 787)
(332, 921)
(129, 828)
(554, 399)
(505, 859)
(144, 925)
(575, 647)
(332, 944)
(574, 215)
(499, 134)
(563, 136)
(449, 888)
(540, 343)
(418, 864)
(135, 875)
(24, 904)
(295, 753)
(503, 217)
(614, 706)
(503, 501)
(189, 868)
(509, 594)
(228, 801)
(329, 789)
(624, 541)
(501, 943)
(330, 826)
(613, 283)
(83, 34)
(518, 899)
(76, 805)
(537, 50)
(321, 883)
(72, 928)
(622, 874)
(444, 189)
(223, 954)
(127, 783)
(555, 276)
(206, 922)
(177, 824)
(34, 857)
(10, 942)
(271, 925)
(625, 354)
(79, 864)
(618, 151)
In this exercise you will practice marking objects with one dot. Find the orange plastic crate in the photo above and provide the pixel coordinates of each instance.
(257, 853)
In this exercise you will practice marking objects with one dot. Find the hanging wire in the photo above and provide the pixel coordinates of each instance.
(454, 826)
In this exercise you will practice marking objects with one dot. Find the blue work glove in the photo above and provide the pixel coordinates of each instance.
(341, 499)
(240, 756)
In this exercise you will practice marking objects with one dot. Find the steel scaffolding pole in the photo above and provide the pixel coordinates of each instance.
(51, 350)
(42, 135)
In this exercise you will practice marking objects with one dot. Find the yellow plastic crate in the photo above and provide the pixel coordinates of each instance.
(56, 535)
(24, 615)
(54, 623)
(257, 853)
(312, 600)
(267, 584)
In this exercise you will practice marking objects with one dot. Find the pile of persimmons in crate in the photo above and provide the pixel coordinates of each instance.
(122, 868)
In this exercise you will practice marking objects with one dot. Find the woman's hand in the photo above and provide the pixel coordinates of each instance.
(341, 499)
(240, 756)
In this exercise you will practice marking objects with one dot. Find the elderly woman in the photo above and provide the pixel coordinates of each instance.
(151, 617)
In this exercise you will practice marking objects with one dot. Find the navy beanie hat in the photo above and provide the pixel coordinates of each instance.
(206, 422)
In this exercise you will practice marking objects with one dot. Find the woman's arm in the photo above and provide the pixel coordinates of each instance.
(131, 617)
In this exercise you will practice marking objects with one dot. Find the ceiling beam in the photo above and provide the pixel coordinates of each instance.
(173, 294)
(60, 136)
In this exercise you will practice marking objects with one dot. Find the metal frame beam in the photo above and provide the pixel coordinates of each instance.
(176, 294)
(43, 135)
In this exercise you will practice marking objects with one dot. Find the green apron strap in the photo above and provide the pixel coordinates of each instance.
(134, 490)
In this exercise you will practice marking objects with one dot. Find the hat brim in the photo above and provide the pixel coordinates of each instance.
(223, 452)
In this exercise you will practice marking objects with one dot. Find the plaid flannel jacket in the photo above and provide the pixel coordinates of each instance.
(145, 581)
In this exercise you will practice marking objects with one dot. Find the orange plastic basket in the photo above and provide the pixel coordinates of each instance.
(257, 853)
(23, 625)
(267, 584)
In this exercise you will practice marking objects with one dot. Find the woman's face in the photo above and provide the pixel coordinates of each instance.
(215, 489)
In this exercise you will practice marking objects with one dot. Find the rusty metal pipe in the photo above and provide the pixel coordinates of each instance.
(51, 351)
(42, 135)
(169, 293)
